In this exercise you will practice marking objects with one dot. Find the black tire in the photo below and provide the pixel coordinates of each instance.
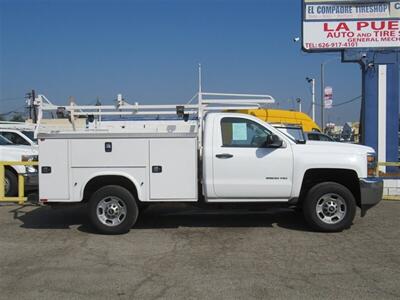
(115, 195)
(12, 180)
(328, 191)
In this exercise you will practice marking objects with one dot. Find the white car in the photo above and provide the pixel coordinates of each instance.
(12, 152)
(19, 137)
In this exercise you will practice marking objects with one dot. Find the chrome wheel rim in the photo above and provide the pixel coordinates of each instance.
(7, 185)
(111, 211)
(331, 208)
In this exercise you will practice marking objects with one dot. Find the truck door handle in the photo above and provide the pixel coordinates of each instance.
(224, 155)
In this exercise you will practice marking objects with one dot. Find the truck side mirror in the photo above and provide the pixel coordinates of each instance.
(273, 141)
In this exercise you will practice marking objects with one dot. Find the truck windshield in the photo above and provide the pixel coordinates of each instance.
(294, 133)
(4, 141)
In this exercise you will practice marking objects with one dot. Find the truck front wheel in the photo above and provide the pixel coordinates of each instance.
(113, 210)
(329, 207)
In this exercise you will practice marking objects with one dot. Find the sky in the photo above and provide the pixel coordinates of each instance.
(149, 51)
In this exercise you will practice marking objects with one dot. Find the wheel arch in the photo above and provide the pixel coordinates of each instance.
(346, 177)
(99, 180)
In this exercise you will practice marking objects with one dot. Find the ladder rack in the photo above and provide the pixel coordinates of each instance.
(218, 103)
(206, 102)
(124, 108)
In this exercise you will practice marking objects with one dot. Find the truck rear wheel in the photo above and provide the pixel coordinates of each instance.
(329, 207)
(113, 210)
(10, 184)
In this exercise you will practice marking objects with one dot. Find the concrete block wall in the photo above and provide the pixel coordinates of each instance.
(391, 187)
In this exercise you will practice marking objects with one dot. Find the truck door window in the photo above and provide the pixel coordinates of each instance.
(238, 132)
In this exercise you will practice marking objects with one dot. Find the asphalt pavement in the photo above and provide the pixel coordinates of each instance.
(185, 253)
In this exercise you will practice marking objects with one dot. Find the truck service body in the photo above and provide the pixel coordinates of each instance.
(220, 157)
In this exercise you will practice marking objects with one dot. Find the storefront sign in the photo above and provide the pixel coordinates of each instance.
(331, 25)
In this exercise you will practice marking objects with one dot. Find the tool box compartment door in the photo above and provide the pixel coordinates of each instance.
(54, 169)
(173, 169)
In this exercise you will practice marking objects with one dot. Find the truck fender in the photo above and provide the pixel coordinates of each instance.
(111, 173)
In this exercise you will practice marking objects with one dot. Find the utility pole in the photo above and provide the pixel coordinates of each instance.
(312, 81)
(98, 103)
(31, 105)
(323, 88)
(313, 98)
(28, 98)
(200, 110)
(33, 94)
(322, 95)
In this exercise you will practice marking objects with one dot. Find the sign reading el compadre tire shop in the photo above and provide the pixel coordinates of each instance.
(342, 24)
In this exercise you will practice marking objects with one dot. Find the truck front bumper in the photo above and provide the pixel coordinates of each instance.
(371, 190)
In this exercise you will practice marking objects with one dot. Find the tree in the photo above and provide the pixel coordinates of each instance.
(2, 118)
(17, 117)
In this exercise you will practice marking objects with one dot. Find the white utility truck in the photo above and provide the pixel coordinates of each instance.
(208, 156)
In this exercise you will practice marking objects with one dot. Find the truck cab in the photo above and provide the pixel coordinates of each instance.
(251, 160)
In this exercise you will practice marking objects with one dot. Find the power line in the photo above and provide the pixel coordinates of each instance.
(346, 102)
(343, 103)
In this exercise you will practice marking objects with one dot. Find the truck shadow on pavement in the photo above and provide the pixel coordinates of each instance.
(39, 217)
(163, 218)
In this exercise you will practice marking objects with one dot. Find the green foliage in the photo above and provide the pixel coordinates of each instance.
(17, 117)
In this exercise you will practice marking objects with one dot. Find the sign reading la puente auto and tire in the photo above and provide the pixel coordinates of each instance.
(342, 24)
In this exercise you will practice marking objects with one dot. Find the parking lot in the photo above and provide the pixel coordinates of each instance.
(186, 253)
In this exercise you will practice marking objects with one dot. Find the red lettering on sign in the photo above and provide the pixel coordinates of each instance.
(393, 25)
(342, 26)
(361, 25)
(378, 25)
(375, 27)
(339, 27)
(326, 27)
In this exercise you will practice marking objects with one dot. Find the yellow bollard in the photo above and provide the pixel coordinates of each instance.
(21, 188)
(20, 199)
(2, 181)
